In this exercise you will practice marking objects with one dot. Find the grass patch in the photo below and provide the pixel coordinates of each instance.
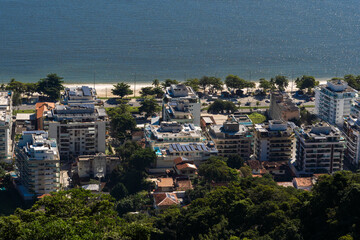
(24, 111)
(309, 106)
(257, 118)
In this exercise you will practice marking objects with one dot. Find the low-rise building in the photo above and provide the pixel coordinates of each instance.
(82, 94)
(165, 185)
(320, 148)
(42, 109)
(232, 138)
(304, 183)
(165, 200)
(38, 162)
(184, 167)
(181, 104)
(333, 101)
(351, 130)
(172, 132)
(196, 152)
(274, 141)
(282, 107)
(98, 165)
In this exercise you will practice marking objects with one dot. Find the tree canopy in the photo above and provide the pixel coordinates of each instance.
(281, 82)
(194, 83)
(51, 86)
(219, 106)
(265, 84)
(306, 82)
(122, 90)
(72, 214)
(149, 106)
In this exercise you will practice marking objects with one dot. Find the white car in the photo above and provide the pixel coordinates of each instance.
(267, 101)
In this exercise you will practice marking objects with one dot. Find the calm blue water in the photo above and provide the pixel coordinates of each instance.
(177, 39)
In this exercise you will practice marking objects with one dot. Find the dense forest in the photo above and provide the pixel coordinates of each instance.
(246, 208)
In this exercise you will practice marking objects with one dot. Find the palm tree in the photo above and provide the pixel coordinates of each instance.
(156, 82)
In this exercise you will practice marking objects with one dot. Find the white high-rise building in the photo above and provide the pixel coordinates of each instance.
(5, 126)
(333, 101)
(38, 162)
(181, 104)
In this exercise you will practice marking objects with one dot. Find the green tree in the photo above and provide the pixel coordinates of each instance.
(281, 82)
(204, 82)
(142, 158)
(265, 84)
(73, 214)
(51, 86)
(149, 106)
(193, 83)
(215, 169)
(216, 84)
(168, 83)
(306, 82)
(119, 191)
(122, 123)
(235, 161)
(234, 82)
(219, 106)
(16, 86)
(122, 89)
(146, 91)
(156, 83)
(16, 99)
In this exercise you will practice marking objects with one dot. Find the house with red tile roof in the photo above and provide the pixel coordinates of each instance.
(165, 200)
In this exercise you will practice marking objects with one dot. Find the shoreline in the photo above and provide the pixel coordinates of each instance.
(103, 90)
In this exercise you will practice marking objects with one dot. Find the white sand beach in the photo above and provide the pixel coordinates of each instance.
(104, 89)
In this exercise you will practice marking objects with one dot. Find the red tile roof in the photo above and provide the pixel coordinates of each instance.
(41, 107)
(165, 199)
(165, 182)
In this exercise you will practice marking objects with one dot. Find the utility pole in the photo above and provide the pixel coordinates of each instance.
(94, 80)
(135, 85)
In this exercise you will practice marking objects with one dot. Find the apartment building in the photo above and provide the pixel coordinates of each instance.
(320, 148)
(181, 104)
(282, 107)
(333, 101)
(98, 165)
(274, 141)
(172, 132)
(351, 130)
(196, 152)
(82, 94)
(5, 126)
(42, 109)
(232, 138)
(79, 129)
(38, 162)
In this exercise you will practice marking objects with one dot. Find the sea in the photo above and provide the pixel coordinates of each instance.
(126, 40)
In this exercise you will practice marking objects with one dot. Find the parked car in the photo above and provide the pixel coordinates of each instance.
(267, 101)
